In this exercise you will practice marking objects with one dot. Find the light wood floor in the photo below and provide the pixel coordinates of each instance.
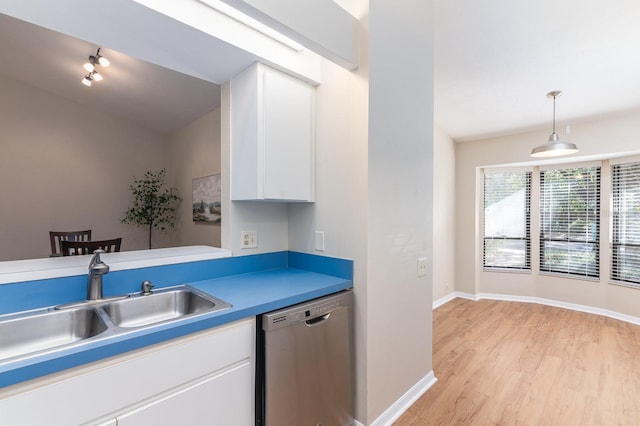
(510, 363)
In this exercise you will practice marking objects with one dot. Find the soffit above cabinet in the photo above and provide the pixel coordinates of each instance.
(306, 23)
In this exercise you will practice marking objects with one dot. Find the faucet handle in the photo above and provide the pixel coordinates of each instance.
(146, 287)
(95, 260)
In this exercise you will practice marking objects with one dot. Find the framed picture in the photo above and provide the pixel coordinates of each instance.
(206, 199)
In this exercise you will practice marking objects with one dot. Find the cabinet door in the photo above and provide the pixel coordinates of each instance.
(271, 136)
(222, 399)
(288, 138)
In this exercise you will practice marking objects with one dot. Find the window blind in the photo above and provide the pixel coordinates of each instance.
(625, 247)
(570, 221)
(507, 242)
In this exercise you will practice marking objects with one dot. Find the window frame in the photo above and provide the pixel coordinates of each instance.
(616, 213)
(527, 217)
(566, 270)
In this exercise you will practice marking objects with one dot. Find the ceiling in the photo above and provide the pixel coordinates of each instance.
(495, 61)
(151, 96)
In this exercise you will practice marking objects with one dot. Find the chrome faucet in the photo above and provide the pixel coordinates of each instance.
(97, 268)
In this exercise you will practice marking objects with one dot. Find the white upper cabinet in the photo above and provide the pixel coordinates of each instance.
(272, 139)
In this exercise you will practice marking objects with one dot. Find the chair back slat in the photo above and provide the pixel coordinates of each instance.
(56, 237)
(71, 248)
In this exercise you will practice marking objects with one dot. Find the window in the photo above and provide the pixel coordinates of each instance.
(570, 211)
(625, 253)
(506, 220)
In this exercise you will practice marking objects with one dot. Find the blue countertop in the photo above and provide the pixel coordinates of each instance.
(287, 278)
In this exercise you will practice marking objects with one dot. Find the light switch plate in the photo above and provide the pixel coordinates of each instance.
(319, 241)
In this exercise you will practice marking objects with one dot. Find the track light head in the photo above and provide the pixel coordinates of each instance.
(101, 59)
(87, 80)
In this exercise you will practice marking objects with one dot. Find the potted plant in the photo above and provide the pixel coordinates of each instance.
(154, 205)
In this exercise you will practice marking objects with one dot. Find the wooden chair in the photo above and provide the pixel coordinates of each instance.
(71, 248)
(57, 238)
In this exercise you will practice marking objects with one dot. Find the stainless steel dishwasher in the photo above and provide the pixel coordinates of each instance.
(305, 375)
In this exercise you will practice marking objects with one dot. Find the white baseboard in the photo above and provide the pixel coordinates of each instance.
(392, 413)
(449, 297)
(542, 301)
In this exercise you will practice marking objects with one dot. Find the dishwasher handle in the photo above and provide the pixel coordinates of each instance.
(318, 320)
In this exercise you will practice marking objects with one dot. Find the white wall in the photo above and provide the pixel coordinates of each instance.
(599, 137)
(194, 152)
(400, 199)
(63, 169)
(444, 227)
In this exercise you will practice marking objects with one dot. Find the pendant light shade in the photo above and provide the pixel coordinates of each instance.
(555, 147)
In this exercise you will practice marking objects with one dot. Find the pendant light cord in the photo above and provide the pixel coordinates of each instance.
(554, 113)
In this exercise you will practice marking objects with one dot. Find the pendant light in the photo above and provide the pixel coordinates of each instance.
(555, 147)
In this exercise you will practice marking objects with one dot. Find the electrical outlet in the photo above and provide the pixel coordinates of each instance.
(248, 239)
(422, 266)
(319, 241)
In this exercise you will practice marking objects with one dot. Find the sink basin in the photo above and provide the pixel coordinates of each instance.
(30, 333)
(26, 334)
(160, 306)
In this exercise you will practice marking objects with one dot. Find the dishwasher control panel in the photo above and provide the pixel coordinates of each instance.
(306, 311)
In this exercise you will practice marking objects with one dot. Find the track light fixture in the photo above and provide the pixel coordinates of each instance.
(91, 67)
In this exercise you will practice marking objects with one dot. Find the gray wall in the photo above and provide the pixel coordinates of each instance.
(194, 152)
(65, 167)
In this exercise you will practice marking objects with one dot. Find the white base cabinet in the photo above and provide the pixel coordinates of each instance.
(272, 136)
(201, 379)
(218, 400)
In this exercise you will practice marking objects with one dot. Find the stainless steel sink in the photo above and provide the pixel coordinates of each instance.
(29, 333)
(160, 306)
(25, 334)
